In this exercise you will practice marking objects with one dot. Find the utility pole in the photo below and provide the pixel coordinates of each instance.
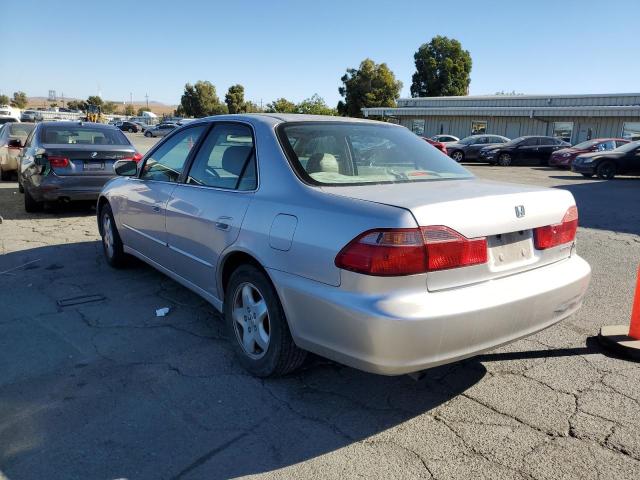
(62, 96)
(131, 99)
(146, 96)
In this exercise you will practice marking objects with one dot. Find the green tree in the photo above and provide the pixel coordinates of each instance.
(370, 85)
(281, 105)
(443, 68)
(315, 105)
(75, 105)
(53, 105)
(235, 99)
(109, 107)
(129, 110)
(252, 107)
(201, 100)
(94, 100)
(4, 100)
(19, 100)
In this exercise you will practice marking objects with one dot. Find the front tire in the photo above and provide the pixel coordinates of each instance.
(606, 170)
(131, 130)
(30, 204)
(111, 242)
(257, 326)
(587, 175)
(147, 134)
(505, 160)
(458, 156)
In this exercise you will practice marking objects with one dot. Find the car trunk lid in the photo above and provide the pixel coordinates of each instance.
(97, 160)
(506, 214)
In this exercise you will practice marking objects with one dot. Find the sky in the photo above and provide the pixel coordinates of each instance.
(293, 49)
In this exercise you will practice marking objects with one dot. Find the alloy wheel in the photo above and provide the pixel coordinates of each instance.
(107, 235)
(251, 320)
(458, 156)
(504, 160)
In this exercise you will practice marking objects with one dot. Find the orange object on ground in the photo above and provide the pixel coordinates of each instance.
(634, 327)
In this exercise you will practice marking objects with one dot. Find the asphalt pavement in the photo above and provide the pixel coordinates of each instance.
(94, 386)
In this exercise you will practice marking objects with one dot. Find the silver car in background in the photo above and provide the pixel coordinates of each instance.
(12, 139)
(348, 238)
(160, 130)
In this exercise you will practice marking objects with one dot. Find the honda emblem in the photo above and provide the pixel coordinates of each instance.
(519, 211)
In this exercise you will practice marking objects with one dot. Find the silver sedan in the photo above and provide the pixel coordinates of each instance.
(352, 239)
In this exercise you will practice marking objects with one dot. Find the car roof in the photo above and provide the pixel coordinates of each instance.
(277, 118)
(76, 124)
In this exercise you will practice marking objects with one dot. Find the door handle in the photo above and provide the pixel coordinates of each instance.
(223, 223)
(156, 208)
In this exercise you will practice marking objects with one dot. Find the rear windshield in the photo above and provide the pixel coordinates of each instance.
(83, 135)
(20, 130)
(325, 153)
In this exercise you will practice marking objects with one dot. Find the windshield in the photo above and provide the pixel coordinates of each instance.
(82, 135)
(514, 142)
(629, 147)
(20, 130)
(340, 153)
(586, 145)
(468, 140)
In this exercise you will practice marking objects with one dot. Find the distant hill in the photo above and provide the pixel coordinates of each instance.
(158, 108)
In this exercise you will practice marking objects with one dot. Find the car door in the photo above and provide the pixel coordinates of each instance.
(473, 150)
(630, 163)
(142, 211)
(205, 213)
(527, 151)
(547, 146)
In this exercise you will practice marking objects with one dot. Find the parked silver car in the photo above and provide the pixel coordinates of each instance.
(349, 238)
(12, 138)
(160, 130)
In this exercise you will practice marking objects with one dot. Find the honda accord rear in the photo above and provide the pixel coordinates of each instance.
(351, 239)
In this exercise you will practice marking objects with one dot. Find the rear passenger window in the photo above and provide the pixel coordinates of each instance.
(226, 159)
(167, 162)
(530, 142)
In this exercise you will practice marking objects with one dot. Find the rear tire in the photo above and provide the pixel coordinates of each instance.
(147, 134)
(111, 242)
(606, 170)
(257, 326)
(505, 160)
(30, 204)
(131, 130)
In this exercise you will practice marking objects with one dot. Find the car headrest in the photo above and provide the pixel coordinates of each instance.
(233, 159)
(322, 162)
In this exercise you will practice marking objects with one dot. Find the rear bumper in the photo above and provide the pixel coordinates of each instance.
(408, 331)
(75, 188)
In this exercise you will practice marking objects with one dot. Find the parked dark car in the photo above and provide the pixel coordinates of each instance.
(130, 127)
(523, 150)
(564, 157)
(143, 126)
(69, 161)
(469, 147)
(624, 160)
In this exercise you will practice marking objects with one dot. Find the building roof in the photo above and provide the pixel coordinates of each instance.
(570, 111)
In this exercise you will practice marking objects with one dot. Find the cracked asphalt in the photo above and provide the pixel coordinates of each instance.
(107, 390)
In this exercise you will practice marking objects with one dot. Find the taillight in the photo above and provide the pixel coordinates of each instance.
(558, 234)
(409, 251)
(58, 162)
(385, 252)
(136, 157)
(447, 248)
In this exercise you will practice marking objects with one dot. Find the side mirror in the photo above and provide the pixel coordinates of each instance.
(14, 143)
(125, 168)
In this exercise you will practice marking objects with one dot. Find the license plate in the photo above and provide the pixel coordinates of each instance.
(94, 166)
(510, 248)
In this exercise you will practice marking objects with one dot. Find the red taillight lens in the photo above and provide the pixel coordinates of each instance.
(385, 253)
(136, 157)
(558, 234)
(447, 248)
(409, 251)
(58, 162)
